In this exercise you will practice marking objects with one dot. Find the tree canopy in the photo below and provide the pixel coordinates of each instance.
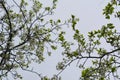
(26, 33)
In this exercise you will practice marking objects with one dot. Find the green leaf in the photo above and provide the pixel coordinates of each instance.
(110, 26)
(58, 20)
(53, 47)
(72, 16)
(77, 31)
(113, 69)
(102, 78)
(47, 8)
(85, 72)
(75, 53)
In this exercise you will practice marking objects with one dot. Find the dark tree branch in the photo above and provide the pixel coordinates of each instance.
(3, 61)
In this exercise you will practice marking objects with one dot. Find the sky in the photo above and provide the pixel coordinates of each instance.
(90, 14)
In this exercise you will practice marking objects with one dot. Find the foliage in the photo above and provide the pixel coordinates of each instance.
(26, 34)
(103, 62)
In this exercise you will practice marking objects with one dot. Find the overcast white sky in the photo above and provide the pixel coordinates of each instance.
(90, 14)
